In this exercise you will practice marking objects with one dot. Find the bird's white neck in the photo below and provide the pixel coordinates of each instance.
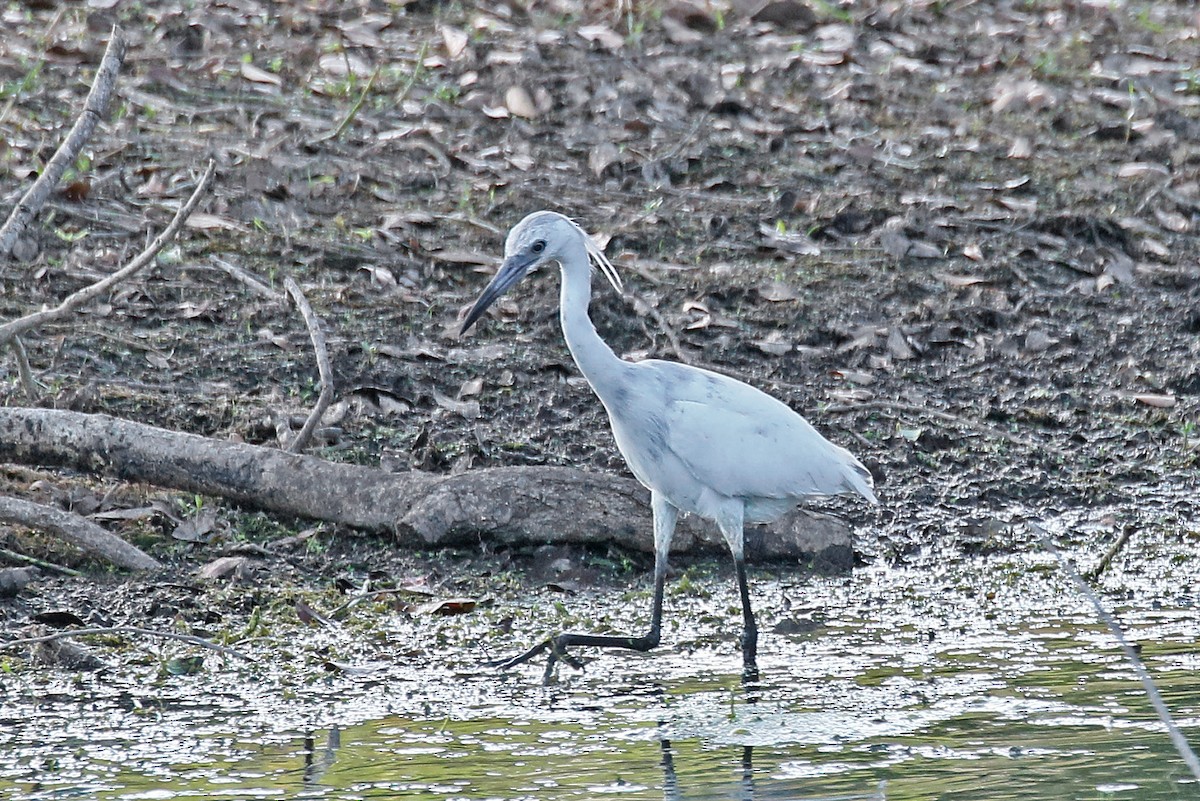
(592, 354)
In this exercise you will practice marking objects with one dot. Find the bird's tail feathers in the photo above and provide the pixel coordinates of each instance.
(859, 479)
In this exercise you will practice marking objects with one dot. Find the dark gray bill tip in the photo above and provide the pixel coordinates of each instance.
(511, 271)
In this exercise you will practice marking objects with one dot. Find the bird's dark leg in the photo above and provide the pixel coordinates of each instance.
(731, 521)
(750, 628)
(664, 528)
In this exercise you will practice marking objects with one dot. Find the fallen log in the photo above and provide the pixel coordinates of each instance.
(76, 530)
(511, 505)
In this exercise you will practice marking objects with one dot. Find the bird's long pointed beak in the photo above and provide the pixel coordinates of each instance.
(511, 271)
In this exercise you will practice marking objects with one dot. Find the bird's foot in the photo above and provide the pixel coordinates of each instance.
(557, 651)
(556, 648)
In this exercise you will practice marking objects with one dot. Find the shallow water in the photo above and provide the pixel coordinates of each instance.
(987, 679)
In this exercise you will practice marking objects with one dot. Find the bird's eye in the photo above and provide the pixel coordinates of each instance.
(538, 246)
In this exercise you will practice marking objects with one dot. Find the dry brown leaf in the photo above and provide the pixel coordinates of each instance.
(468, 409)
(1037, 341)
(198, 527)
(190, 310)
(1157, 401)
(470, 388)
(679, 33)
(894, 242)
(204, 221)
(380, 276)
(788, 241)
(77, 191)
(859, 377)
(1026, 205)
(898, 345)
(777, 292)
(233, 567)
(278, 340)
(775, 343)
(1021, 148)
(448, 606)
(309, 616)
(363, 31)
(1140, 169)
(920, 249)
(601, 156)
(259, 75)
(519, 103)
(1172, 221)
(343, 64)
(1013, 95)
(1156, 248)
(851, 396)
(959, 281)
(455, 40)
(973, 252)
(522, 161)
(602, 35)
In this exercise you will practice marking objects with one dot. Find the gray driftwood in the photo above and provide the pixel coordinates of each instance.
(504, 504)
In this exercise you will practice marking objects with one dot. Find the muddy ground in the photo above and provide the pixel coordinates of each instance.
(959, 237)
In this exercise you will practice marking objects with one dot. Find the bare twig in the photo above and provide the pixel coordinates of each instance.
(76, 530)
(249, 279)
(323, 369)
(28, 382)
(42, 563)
(336, 133)
(88, 293)
(1160, 707)
(169, 635)
(94, 109)
(1110, 554)
(353, 112)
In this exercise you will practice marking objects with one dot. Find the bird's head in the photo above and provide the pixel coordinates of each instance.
(542, 237)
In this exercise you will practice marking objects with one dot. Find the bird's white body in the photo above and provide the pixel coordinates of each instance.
(702, 442)
(705, 440)
(706, 443)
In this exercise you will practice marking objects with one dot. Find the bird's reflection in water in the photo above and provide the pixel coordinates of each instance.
(748, 787)
(316, 764)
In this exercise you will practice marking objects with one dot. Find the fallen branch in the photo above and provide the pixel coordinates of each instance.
(1106, 560)
(76, 299)
(247, 278)
(1160, 706)
(28, 382)
(509, 505)
(300, 441)
(93, 111)
(42, 563)
(169, 635)
(76, 530)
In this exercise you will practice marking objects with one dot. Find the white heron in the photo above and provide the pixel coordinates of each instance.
(701, 442)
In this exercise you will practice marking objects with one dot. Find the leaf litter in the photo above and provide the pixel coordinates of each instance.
(983, 214)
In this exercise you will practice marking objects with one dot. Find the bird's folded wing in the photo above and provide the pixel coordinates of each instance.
(757, 452)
